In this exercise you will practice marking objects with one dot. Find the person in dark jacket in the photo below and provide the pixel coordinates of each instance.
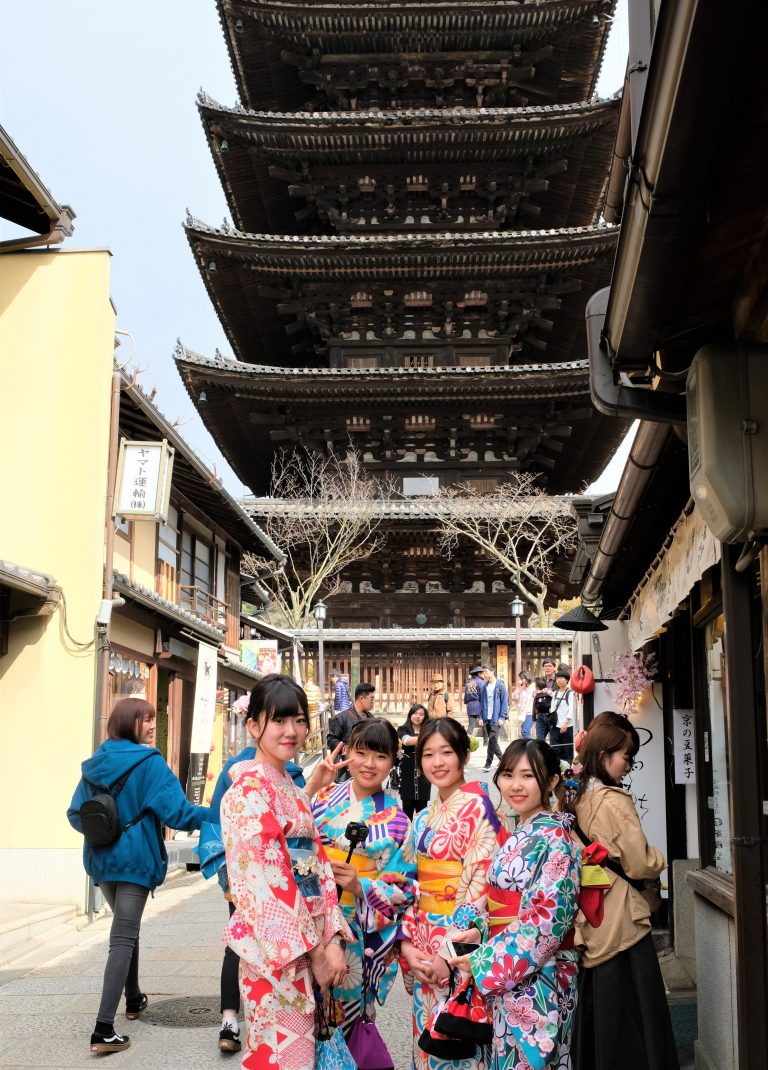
(340, 726)
(136, 863)
(472, 698)
(415, 789)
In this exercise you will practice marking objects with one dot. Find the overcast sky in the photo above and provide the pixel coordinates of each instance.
(100, 97)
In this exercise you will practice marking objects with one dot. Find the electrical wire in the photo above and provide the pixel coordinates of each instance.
(73, 641)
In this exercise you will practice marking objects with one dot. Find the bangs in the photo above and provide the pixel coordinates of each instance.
(375, 734)
(277, 696)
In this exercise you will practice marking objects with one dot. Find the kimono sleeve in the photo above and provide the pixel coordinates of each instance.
(261, 880)
(334, 921)
(386, 897)
(547, 912)
(480, 848)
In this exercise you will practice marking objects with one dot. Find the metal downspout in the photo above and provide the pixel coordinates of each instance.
(643, 458)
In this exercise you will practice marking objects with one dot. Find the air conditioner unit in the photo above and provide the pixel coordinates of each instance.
(727, 395)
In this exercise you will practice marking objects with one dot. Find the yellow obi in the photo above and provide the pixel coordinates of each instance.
(438, 884)
(364, 866)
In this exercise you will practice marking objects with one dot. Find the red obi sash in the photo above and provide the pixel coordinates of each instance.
(504, 907)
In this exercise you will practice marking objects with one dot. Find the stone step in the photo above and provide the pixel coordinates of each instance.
(24, 924)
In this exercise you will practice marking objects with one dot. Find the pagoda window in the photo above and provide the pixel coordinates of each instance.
(479, 359)
(483, 486)
(418, 360)
(362, 362)
(358, 423)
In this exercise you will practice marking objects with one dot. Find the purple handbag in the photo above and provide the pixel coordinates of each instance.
(367, 1048)
(364, 1042)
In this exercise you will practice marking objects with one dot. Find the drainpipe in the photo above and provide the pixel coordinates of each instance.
(643, 458)
(101, 713)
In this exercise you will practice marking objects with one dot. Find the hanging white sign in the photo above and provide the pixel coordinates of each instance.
(143, 484)
(683, 739)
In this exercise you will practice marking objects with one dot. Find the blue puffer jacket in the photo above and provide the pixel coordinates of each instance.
(139, 855)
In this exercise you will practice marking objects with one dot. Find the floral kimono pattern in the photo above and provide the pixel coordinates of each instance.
(528, 970)
(386, 892)
(452, 843)
(286, 902)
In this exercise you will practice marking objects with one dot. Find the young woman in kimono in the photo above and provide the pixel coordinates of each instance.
(527, 967)
(287, 928)
(374, 894)
(452, 843)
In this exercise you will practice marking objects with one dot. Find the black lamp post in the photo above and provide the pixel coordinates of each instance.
(320, 612)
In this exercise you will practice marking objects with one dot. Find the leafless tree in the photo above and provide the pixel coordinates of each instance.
(520, 526)
(322, 514)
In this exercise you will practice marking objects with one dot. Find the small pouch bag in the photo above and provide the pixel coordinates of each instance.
(331, 1051)
(440, 1046)
(365, 1041)
(465, 1015)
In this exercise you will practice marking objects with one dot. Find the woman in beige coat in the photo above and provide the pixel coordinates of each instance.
(622, 1017)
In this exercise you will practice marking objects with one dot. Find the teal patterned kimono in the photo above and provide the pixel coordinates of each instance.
(528, 970)
(387, 883)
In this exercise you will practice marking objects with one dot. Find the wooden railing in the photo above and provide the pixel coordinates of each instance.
(203, 604)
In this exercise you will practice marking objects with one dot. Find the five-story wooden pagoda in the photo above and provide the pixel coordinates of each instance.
(416, 191)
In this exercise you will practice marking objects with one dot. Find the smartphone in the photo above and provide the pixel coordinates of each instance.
(454, 949)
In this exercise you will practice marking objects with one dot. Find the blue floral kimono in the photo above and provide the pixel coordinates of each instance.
(387, 883)
(527, 968)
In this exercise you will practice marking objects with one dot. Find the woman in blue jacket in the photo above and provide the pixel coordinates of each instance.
(135, 864)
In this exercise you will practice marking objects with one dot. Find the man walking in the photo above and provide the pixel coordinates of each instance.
(342, 699)
(494, 708)
(562, 716)
(440, 702)
(341, 724)
(548, 670)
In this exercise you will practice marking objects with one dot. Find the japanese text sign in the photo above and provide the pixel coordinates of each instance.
(143, 484)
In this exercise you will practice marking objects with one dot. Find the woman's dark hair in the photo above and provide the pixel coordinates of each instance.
(124, 719)
(411, 711)
(541, 682)
(377, 734)
(277, 696)
(608, 733)
(453, 733)
(562, 670)
(525, 675)
(541, 757)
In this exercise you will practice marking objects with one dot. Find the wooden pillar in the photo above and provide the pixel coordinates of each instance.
(746, 748)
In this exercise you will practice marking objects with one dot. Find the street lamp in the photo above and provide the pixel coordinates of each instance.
(319, 612)
(517, 609)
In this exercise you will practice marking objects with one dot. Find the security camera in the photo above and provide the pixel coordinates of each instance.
(106, 606)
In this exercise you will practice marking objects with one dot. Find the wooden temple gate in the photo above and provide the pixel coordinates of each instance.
(403, 677)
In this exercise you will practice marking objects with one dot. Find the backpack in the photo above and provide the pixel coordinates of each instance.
(541, 704)
(98, 815)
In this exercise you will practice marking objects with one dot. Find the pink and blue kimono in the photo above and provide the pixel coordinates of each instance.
(387, 883)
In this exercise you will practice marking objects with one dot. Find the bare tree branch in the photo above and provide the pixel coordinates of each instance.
(322, 514)
(519, 526)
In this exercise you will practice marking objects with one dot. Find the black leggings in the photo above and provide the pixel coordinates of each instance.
(127, 903)
(230, 968)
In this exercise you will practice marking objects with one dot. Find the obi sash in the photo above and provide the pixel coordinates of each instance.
(364, 866)
(504, 907)
(438, 884)
(305, 864)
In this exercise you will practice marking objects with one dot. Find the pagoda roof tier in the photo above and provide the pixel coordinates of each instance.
(517, 293)
(458, 423)
(464, 167)
(349, 54)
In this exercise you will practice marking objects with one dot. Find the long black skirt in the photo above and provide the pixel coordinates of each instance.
(622, 1016)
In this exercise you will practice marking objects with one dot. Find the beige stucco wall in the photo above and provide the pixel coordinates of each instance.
(56, 348)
